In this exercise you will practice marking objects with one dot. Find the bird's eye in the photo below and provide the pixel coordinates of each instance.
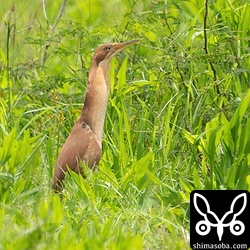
(107, 48)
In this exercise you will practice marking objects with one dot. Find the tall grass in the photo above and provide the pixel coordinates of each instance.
(177, 119)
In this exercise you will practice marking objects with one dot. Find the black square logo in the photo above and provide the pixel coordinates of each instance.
(220, 219)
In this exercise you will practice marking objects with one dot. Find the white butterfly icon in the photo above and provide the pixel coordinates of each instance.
(203, 227)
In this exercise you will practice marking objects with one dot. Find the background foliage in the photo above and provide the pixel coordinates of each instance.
(177, 120)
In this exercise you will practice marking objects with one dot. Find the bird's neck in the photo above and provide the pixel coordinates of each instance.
(96, 99)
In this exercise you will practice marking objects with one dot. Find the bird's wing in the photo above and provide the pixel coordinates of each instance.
(80, 146)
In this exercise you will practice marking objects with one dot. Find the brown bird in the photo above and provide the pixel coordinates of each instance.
(84, 144)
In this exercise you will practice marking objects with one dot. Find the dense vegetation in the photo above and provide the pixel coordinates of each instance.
(177, 120)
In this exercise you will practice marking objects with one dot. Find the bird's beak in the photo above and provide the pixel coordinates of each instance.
(117, 47)
(120, 46)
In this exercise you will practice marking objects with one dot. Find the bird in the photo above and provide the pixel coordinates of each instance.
(84, 143)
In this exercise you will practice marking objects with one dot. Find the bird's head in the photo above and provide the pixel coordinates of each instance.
(107, 51)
